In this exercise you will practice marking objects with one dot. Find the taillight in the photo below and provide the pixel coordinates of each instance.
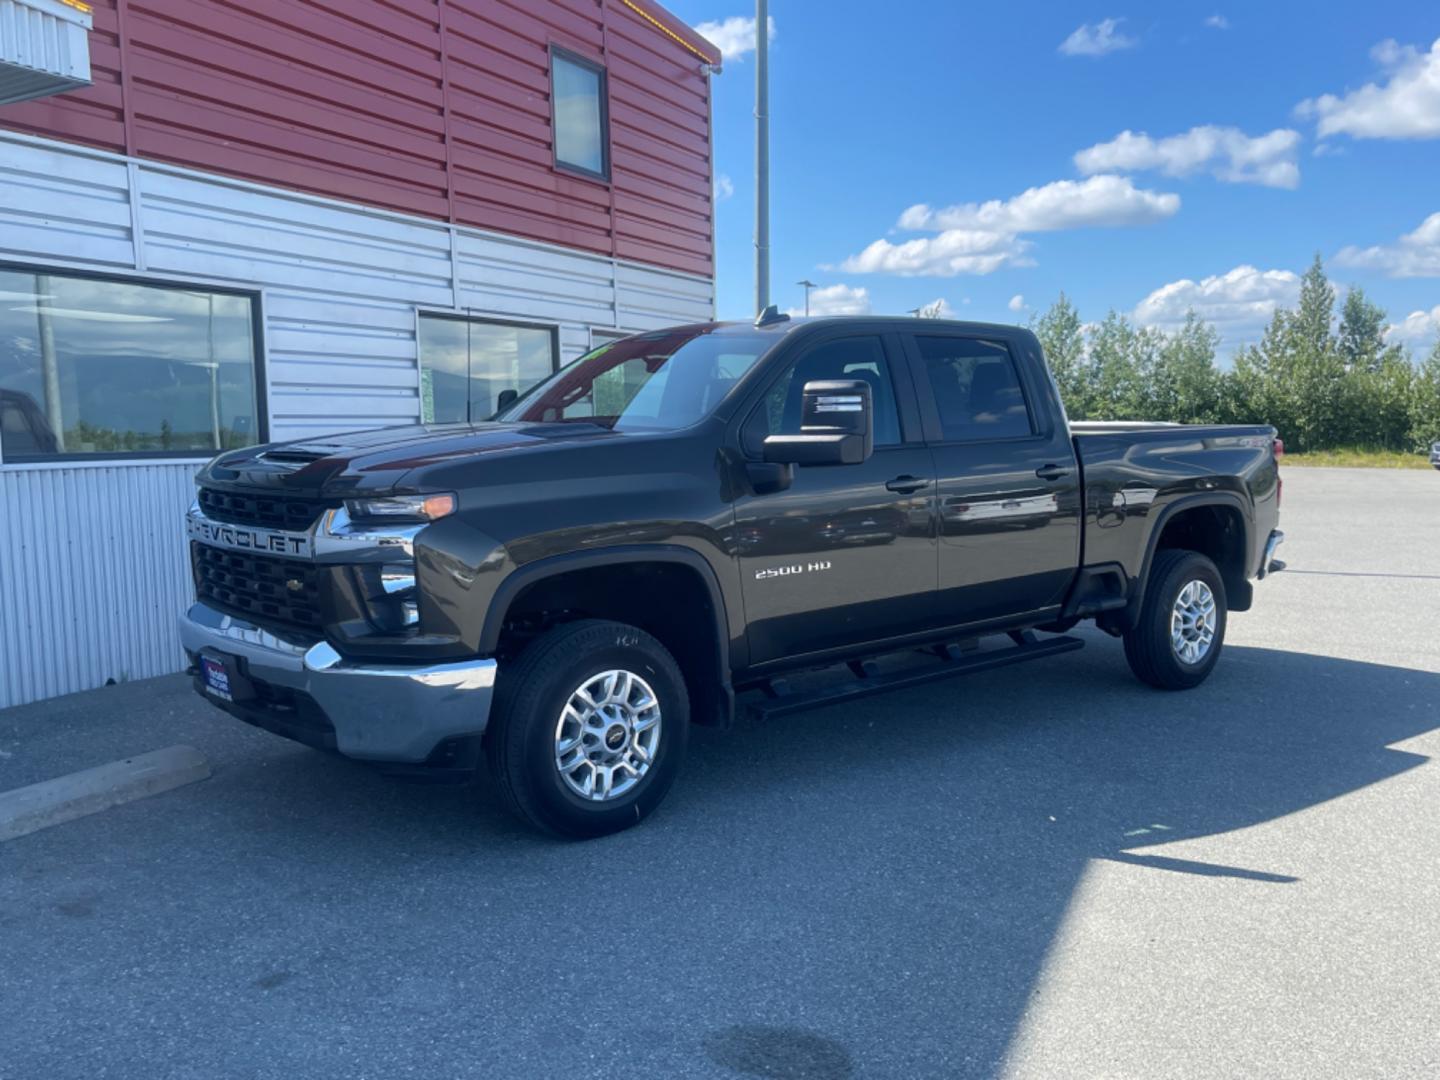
(1279, 448)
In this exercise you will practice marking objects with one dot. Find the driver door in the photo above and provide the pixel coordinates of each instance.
(847, 555)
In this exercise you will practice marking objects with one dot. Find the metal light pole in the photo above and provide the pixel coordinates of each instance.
(808, 286)
(762, 156)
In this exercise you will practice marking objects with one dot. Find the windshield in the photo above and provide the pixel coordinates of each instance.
(659, 381)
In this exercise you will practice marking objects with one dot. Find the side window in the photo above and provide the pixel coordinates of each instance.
(114, 367)
(847, 358)
(578, 107)
(976, 388)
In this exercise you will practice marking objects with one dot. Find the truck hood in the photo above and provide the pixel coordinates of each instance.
(376, 462)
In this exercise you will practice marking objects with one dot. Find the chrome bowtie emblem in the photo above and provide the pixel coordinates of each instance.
(294, 584)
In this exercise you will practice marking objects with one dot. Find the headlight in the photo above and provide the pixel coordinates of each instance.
(399, 509)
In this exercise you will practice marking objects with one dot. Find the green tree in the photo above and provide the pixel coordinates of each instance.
(1425, 403)
(1063, 338)
(1120, 357)
(1362, 332)
(1183, 384)
(1293, 379)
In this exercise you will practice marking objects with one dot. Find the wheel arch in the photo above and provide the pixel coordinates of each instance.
(1216, 525)
(622, 583)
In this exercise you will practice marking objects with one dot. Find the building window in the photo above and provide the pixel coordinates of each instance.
(580, 114)
(466, 365)
(101, 367)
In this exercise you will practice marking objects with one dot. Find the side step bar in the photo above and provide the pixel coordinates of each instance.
(781, 701)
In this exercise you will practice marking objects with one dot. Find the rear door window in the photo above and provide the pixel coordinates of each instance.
(976, 388)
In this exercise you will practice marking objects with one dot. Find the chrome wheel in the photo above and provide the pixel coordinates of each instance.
(1192, 623)
(607, 735)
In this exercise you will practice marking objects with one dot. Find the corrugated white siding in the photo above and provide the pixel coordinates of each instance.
(44, 48)
(93, 570)
(340, 285)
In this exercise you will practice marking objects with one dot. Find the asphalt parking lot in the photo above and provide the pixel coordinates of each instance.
(1045, 871)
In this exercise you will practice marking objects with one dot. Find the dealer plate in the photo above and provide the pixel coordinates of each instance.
(217, 678)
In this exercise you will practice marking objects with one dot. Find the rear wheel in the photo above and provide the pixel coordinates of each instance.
(1176, 641)
(589, 729)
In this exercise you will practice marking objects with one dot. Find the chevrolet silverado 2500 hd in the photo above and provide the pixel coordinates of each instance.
(671, 527)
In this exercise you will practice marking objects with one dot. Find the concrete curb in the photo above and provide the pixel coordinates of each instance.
(53, 802)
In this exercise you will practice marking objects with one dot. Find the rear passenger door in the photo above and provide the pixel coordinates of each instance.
(1008, 486)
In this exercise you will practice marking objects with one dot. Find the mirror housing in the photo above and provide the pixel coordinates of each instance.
(837, 426)
(507, 398)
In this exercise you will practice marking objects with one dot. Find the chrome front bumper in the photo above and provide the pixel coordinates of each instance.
(1268, 563)
(379, 712)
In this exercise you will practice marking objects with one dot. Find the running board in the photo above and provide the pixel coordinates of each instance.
(781, 701)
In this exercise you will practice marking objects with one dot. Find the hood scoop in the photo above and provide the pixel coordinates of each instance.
(296, 457)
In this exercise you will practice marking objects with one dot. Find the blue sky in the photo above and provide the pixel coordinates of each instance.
(906, 136)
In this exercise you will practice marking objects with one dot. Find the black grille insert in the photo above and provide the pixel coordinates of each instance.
(286, 512)
(264, 588)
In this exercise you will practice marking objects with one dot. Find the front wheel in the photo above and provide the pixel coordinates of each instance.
(589, 729)
(1177, 638)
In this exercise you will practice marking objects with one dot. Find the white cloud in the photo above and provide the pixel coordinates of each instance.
(1416, 254)
(954, 251)
(1017, 303)
(1097, 39)
(735, 36)
(836, 300)
(1218, 22)
(1406, 106)
(1418, 329)
(1227, 153)
(1238, 303)
(980, 238)
(724, 187)
(1063, 204)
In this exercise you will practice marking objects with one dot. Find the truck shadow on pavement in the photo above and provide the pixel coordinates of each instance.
(868, 890)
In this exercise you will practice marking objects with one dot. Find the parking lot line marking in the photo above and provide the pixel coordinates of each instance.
(53, 802)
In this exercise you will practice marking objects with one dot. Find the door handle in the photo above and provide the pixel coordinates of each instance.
(1052, 472)
(906, 484)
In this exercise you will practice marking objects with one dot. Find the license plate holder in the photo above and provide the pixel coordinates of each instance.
(221, 678)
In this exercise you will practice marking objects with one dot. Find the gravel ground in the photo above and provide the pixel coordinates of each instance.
(1037, 872)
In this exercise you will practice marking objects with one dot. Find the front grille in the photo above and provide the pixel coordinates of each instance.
(258, 587)
(287, 512)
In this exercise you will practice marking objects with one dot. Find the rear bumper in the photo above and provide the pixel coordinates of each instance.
(375, 712)
(1268, 563)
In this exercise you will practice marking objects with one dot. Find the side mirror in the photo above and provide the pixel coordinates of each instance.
(837, 426)
(506, 399)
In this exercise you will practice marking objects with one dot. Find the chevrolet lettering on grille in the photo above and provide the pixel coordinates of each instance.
(248, 538)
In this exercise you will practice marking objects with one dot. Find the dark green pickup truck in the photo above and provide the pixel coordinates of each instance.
(694, 521)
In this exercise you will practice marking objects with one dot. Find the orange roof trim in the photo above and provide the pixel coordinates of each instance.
(676, 30)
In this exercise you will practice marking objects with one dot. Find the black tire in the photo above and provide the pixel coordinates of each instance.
(1148, 645)
(520, 742)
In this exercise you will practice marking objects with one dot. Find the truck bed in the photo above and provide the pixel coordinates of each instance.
(1135, 473)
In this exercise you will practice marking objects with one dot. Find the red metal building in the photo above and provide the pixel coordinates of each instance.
(439, 108)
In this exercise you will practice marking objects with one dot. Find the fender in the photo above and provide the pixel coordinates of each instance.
(1227, 499)
(531, 573)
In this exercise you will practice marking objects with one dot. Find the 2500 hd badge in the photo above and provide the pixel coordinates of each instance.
(786, 571)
